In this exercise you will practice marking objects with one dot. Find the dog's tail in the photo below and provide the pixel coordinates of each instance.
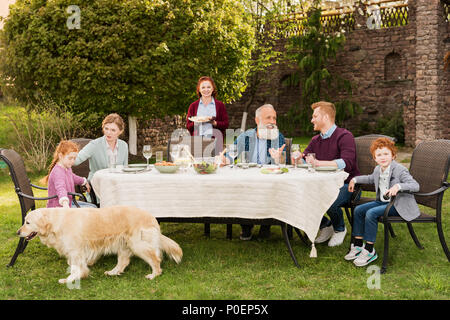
(172, 248)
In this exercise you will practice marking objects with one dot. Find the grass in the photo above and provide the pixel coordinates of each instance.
(217, 268)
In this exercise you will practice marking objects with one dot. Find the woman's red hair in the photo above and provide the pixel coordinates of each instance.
(214, 93)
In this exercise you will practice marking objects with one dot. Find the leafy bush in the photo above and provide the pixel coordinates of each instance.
(392, 125)
(138, 57)
(35, 133)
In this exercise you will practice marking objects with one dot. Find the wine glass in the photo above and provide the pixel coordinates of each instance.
(295, 154)
(147, 152)
(232, 152)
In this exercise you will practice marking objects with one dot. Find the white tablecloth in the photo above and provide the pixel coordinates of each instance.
(298, 198)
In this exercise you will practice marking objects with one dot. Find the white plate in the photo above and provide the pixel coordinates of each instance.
(137, 165)
(134, 170)
(326, 169)
(273, 170)
(200, 119)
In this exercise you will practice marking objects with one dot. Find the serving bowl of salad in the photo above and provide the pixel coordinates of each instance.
(205, 165)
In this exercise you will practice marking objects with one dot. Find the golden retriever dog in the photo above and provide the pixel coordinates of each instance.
(82, 235)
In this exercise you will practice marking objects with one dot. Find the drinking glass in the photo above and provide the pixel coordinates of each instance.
(232, 152)
(311, 161)
(174, 152)
(147, 152)
(245, 159)
(295, 154)
(282, 159)
(159, 156)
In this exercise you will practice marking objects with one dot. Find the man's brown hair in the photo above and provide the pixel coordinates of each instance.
(327, 108)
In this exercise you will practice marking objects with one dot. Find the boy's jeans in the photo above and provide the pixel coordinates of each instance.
(365, 220)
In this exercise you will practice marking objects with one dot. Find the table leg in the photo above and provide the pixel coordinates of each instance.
(288, 243)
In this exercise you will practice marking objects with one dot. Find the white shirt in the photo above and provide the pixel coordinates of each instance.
(112, 153)
(383, 183)
(209, 111)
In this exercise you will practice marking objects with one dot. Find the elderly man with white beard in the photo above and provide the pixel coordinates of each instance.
(264, 143)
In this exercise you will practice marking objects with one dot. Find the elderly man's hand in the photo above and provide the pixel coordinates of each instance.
(275, 153)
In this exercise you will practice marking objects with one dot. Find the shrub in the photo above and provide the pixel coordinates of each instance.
(135, 57)
(37, 131)
(392, 125)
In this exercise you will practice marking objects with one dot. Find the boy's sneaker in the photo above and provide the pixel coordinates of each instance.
(353, 253)
(324, 234)
(365, 257)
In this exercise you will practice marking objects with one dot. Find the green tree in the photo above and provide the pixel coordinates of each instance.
(313, 51)
(137, 57)
(268, 31)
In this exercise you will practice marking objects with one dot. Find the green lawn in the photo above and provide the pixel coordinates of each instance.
(217, 268)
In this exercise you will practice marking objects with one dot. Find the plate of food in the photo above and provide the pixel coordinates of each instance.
(137, 165)
(166, 167)
(134, 169)
(250, 165)
(200, 119)
(271, 170)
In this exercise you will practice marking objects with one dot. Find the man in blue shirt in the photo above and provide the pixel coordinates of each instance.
(263, 143)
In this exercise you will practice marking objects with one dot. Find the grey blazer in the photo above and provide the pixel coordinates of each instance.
(404, 203)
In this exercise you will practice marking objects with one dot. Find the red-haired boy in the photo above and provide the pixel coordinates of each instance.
(388, 177)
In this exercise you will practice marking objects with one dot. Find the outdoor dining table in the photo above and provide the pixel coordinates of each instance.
(297, 198)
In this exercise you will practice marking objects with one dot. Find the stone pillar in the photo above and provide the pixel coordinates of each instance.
(428, 73)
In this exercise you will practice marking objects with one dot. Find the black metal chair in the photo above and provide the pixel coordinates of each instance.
(82, 170)
(429, 166)
(24, 190)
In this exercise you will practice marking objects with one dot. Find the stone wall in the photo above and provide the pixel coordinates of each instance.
(444, 40)
(393, 69)
(156, 132)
